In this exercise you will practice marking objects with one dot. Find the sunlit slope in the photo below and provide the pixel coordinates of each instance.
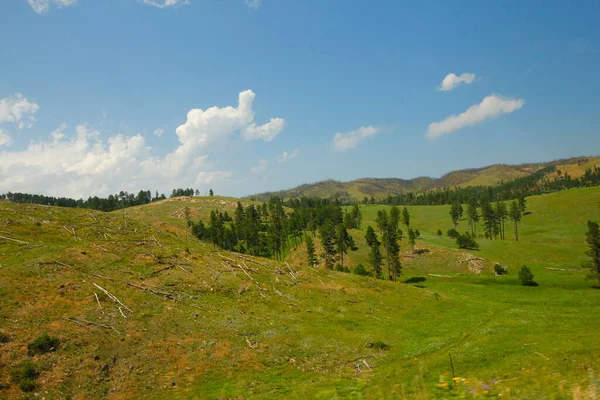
(170, 213)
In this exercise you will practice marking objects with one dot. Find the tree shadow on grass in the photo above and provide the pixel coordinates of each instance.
(415, 279)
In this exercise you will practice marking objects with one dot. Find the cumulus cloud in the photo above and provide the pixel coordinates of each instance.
(285, 156)
(491, 107)
(4, 138)
(255, 4)
(165, 3)
(451, 81)
(159, 132)
(83, 163)
(266, 132)
(349, 140)
(43, 6)
(260, 167)
(18, 109)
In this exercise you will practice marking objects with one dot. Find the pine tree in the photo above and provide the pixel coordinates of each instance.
(343, 242)
(411, 239)
(310, 251)
(473, 216)
(406, 217)
(592, 237)
(327, 233)
(515, 216)
(376, 259)
(501, 214)
(456, 213)
(211, 193)
(371, 236)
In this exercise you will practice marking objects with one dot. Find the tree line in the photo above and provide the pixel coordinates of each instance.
(116, 201)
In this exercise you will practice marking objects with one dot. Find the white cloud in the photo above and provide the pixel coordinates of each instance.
(19, 110)
(349, 140)
(5, 139)
(285, 156)
(82, 163)
(491, 107)
(42, 6)
(255, 4)
(260, 167)
(451, 81)
(159, 132)
(165, 3)
(266, 132)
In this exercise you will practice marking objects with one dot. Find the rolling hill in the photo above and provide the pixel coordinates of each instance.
(142, 310)
(380, 188)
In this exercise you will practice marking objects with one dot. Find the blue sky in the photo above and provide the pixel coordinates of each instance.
(244, 97)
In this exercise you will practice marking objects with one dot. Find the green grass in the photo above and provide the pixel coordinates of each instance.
(307, 329)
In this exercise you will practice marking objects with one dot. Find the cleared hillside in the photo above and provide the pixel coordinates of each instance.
(380, 188)
(206, 323)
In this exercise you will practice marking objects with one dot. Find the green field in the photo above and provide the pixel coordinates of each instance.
(221, 326)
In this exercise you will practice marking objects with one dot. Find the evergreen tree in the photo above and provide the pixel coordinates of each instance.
(515, 216)
(456, 213)
(310, 251)
(473, 216)
(501, 215)
(522, 201)
(526, 277)
(411, 239)
(406, 217)
(592, 237)
(376, 259)
(343, 242)
(327, 233)
(211, 193)
(371, 236)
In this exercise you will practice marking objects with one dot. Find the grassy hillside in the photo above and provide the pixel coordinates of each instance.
(380, 188)
(210, 324)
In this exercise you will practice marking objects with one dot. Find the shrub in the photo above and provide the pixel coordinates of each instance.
(526, 277)
(417, 233)
(25, 376)
(42, 345)
(421, 251)
(466, 242)
(379, 345)
(4, 338)
(338, 267)
(453, 233)
(500, 269)
(439, 233)
(361, 270)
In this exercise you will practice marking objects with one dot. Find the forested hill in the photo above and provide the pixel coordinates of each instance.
(379, 188)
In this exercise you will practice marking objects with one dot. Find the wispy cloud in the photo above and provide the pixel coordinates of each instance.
(158, 132)
(491, 107)
(343, 141)
(255, 4)
(260, 167)
(164, 3)
(43, 6)
(4, 138)
(285, 156)
(452, 80)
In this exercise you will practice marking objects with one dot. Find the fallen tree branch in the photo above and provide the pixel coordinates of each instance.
(85, 323)
(169, 296)
(98, 300)
(440, 276)
(14, 240)
(113, 297)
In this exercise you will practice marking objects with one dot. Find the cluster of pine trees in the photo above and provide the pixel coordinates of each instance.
(493, 216)
(270, 231)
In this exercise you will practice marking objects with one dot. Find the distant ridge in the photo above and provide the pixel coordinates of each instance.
(490, 175)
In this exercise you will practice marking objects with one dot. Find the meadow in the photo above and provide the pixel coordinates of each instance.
(206, 323)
